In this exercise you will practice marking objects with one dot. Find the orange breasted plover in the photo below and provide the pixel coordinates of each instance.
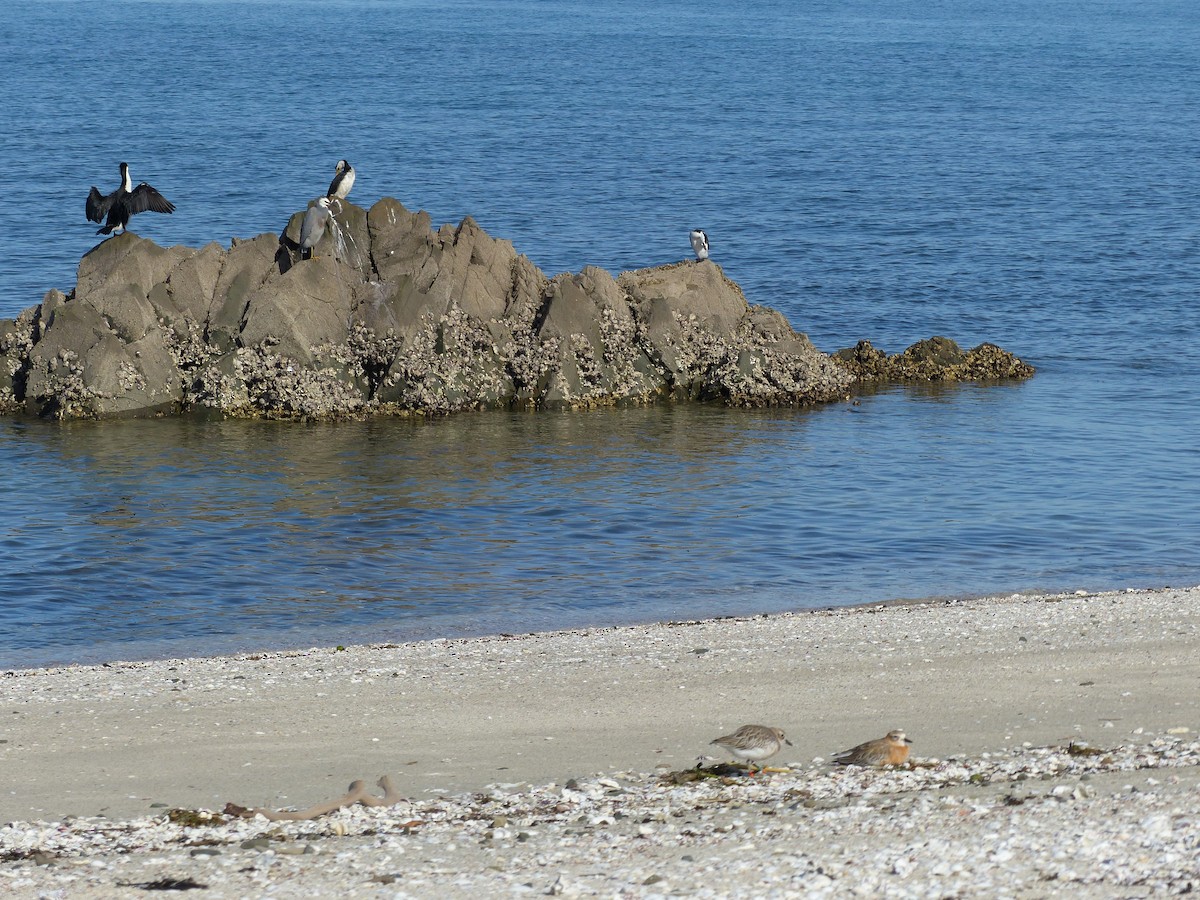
(890, 750)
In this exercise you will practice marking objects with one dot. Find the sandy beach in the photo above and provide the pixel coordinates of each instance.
(516, 753)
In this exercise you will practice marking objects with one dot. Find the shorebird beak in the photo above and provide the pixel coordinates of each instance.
(908, 740)
(789, 743)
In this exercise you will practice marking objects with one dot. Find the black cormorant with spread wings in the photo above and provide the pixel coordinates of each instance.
(124, 202)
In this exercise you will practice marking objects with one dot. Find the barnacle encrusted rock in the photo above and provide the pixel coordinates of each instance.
(935, 359)
(392, 316)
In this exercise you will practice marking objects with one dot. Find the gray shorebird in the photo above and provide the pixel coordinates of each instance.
(889, 750)
(753, 743)
(313, 227)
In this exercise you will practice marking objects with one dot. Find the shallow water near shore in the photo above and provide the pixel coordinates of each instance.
(1018, 172)
(187, 537)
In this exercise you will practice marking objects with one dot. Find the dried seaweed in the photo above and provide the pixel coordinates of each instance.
(166, 884)
(357, 793)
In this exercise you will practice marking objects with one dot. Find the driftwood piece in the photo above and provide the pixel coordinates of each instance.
(357, 793)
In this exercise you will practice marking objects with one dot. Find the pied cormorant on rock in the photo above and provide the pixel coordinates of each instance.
(700, 244)
(124, 202)
(343, 180)
(313, 228)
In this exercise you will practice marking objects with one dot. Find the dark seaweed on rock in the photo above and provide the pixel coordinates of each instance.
(935, 359)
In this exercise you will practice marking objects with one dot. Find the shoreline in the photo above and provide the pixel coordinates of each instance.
(967, 679)
(144, 652)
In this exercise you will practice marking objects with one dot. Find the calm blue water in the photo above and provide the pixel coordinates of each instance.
(1016, 171)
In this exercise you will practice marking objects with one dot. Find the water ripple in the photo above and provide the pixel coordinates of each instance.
(1009, 170)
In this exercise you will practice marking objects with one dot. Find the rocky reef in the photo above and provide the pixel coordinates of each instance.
(935, 359)
(393, 317)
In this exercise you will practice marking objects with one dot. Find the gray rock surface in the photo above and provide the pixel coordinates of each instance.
(392, 316)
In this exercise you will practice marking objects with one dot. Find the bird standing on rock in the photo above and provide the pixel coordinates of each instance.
(313, 227)
(889, 750)
(699, 244)
(124, 202)
(343, 180)
(753, 743)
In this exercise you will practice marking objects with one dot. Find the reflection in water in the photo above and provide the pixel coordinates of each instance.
(192, 536)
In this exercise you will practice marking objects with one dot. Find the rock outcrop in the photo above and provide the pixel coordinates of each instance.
(391, 316)
(935, 359)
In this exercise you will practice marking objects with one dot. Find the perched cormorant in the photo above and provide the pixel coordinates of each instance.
(313, 228)
(700, 244)
(343, 180)
(124, 202)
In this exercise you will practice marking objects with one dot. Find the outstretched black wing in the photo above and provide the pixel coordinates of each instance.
(98, 205)
(143, 197)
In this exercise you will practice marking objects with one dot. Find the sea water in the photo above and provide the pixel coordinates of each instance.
(1021, 172)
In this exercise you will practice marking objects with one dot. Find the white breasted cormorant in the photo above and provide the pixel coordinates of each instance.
(313, 228)
(343, 180)
(700, 244)
(124, 202)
